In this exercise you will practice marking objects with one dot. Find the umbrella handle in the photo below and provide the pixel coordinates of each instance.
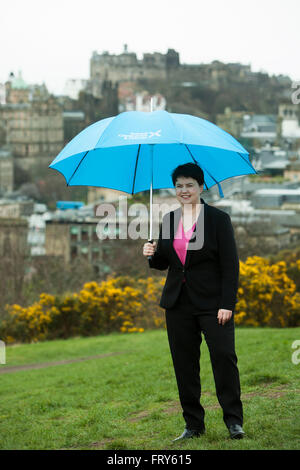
(150, 257)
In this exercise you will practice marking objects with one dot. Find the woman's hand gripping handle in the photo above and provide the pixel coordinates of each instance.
(149, 249)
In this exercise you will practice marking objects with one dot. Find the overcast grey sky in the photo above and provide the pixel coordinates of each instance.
(51, 41)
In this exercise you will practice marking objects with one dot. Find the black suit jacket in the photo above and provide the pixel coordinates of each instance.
(211, 271)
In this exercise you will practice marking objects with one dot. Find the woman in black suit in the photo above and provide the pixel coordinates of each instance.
(199, 296)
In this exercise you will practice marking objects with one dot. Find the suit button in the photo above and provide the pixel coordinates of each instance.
(183, 270)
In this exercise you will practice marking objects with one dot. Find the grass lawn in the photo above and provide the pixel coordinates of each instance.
(129, 400)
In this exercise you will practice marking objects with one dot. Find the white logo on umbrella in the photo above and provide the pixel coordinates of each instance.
(141, 135)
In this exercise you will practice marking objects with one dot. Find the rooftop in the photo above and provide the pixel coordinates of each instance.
(279, 164)
(18, 83)
(73, 114)
(5, 153)
(278, 192)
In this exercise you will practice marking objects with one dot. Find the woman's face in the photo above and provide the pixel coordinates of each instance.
(188, 190)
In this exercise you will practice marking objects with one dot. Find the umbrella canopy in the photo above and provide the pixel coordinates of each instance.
(137, 151)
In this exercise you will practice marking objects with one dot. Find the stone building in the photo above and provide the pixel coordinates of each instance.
(74, 122)
(275, 198)
(231, 121)
(6, 170)
(34, 131)
(31, 123)
(96, 101)
(2, 94)
(157, 66)
(15, 209)
(292, 171)
(71, 239)
(289, 121)
(130, 99)
(127, 66)
(13, 237)
(104, 195)
(16, 89)
(260, 127)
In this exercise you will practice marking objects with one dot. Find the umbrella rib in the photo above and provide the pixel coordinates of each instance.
(196, 163)
(136, 162)
(77, 167)
(251, 166)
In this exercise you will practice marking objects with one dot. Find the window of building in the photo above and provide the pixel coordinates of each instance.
(95, 236)
(74, 233)
(84, 250)
(95, 252)
(74, 252)
(84, 234)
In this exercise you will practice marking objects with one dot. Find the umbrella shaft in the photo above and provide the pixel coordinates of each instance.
(151, 192)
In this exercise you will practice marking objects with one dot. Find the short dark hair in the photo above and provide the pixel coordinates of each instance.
(188, 170)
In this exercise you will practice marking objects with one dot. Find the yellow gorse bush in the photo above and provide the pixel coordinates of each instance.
(33, 322)
(108, 304)
(267, 296)
(117, 304)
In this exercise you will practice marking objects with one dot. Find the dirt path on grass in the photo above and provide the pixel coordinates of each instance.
(173, 406)
(4, 369)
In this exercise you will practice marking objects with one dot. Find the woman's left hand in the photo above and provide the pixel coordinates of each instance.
(224, 315)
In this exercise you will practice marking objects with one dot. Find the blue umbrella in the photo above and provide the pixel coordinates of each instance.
(137, 151)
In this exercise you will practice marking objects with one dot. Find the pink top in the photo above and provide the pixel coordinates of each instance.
(181, 241)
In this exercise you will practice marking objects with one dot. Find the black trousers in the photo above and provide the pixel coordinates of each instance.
(184, 328)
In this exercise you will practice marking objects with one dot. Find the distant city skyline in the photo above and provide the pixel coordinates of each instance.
(53, 41)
